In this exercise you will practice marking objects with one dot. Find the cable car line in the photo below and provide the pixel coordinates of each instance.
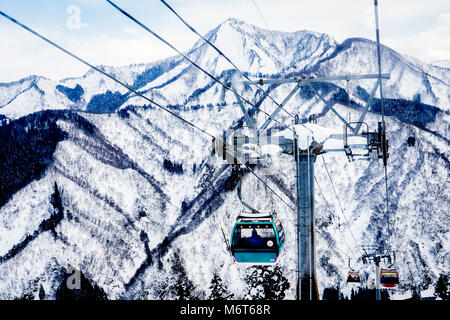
(293, 209)
(225, 57)
(98, 69)
(332, 244)
(262, 17)
(245, 76)
(227, 87)
(329, 208)
(377, 26)
(340, 204)
(270, 30)
(332, 184)
(260, 14)
(279, 197)
(102, 72)
(129, 88)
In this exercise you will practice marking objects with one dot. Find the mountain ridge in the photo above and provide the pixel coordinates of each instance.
(128, 214)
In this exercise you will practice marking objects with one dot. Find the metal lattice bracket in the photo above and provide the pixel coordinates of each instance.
(376, 146)
(236, 150)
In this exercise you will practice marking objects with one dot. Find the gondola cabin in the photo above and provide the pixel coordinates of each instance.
(257, 241)
(389, 278)
(354, 278)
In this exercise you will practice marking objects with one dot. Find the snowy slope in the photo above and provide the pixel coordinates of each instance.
(442, 63)
(138, 186)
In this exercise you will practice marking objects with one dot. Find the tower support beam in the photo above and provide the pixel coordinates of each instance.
(306, 278)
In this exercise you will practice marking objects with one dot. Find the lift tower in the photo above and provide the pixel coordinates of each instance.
(304, 163)
(241, 150)
(235, 150)
(377, 255)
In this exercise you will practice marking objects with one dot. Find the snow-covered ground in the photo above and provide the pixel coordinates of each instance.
(117, 185)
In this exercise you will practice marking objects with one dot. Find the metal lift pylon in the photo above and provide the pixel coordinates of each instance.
(306, 274)
(232, 148)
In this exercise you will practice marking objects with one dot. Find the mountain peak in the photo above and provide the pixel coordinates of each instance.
(262, 51)
(240, 24)
(233, 21)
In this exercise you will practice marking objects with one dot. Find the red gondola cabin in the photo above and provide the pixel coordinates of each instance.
(389, 278)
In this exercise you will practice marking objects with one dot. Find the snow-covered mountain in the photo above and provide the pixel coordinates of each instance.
(141, 193)
(442, 63)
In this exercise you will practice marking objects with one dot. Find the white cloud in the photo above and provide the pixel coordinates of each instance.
(411, 10)
(429, 45)
(341, 19)
(25, 54)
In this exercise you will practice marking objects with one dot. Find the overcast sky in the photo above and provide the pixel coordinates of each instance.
(101, 35)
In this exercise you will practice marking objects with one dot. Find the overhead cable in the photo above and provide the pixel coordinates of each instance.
(224, 56)
(102, 72)
(226, 87)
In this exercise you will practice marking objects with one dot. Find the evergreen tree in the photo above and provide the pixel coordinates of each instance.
(365, 293)
(218, 291)
(56, 199)
(162, 289)
(330, 294)
(255, 284)
(266, 283)
(58, 211)
(442, 289)
(41, 293)
(415, 294)
(182, 288)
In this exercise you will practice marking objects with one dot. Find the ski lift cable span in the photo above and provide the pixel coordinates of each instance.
(329, 208)
(265, 23)
(293, 209)
(340, 204)
(377, 26)
(113, 78)
(224, 56)
(332, 244)
(123, 84)
(225, 86)
(102, 72)
(265, 184)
